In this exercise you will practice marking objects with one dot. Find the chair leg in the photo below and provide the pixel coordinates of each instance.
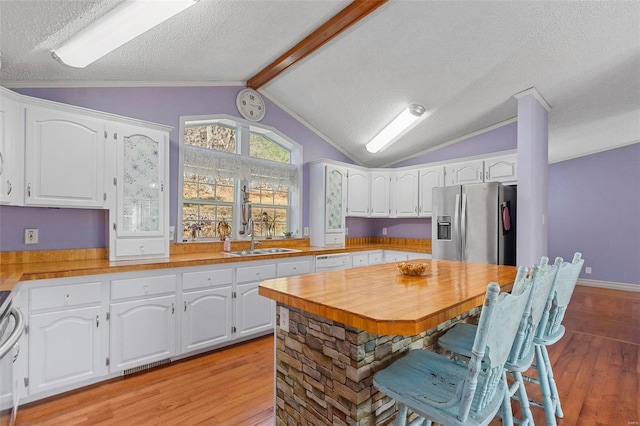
(401, 417)
(523, 398)
(543, 378)
(555, 397)
(507, 415)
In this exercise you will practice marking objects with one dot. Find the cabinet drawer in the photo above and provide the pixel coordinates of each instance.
(138, 287)
(288, 269)
(375, 258)
(140, 247)
(360, 260)
(64, 296)
(255, 273)
(207, 279)
(334, 239)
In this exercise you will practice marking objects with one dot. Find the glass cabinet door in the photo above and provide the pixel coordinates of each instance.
(141, 171)
(335, 199)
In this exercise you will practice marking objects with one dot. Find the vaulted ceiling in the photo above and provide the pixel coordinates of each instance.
(462, 60)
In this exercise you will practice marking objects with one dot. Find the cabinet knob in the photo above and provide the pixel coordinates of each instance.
(29, 190)
(10, 187)
(67, 296)
(185, 306)
(146, 288)
(141, 249)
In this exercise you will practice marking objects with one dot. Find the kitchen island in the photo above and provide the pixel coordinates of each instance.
(343, 326)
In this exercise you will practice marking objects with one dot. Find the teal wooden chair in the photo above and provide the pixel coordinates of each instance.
(550, 331)
(459, 339)
(436, 388)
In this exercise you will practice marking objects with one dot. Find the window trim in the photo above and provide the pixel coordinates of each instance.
(244, 128)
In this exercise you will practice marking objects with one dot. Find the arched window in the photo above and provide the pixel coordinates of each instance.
(225, 162)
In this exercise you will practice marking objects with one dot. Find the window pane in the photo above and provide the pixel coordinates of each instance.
(281, 198)
(206, 192)
(214, 136)
(262, 147)
(189, 191)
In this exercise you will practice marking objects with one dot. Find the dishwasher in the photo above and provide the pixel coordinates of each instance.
(333, 262)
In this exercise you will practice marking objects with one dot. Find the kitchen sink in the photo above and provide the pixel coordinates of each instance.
(262, 252)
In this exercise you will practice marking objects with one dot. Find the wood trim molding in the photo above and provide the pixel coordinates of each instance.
(327, 31)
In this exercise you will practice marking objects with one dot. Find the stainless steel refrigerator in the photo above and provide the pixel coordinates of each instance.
(475, 223)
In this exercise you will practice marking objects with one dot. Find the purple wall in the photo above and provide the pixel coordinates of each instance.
(594, 208)
(501, 139)
(159, 105)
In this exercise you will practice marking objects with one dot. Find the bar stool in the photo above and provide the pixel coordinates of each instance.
(437, 388)
(459, 339)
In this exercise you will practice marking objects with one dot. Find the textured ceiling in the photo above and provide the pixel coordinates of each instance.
(462, 60)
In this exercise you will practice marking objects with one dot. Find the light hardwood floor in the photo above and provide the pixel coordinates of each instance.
(597, 367)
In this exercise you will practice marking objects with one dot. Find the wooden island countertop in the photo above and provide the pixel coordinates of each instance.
(380, 300)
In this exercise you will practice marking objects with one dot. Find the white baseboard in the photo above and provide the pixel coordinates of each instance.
(610, 285)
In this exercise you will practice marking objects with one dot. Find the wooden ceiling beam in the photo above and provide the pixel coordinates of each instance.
(327, 31)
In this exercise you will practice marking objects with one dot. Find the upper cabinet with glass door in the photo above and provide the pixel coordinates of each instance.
(141, 211)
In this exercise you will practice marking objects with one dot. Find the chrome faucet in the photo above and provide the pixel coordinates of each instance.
(253, 243)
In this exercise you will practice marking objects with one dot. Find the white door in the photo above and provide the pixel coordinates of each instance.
(335, 199)
(11, 151)
(404, 194)
(380, 205)
(255, 314)
(206, 318)
(430, 177)
(64, 160)
(501, 169)
(142, 331)
(465, 172)
(64, 348)
(358, 193)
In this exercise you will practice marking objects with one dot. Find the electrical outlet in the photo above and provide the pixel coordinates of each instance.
(284, 319)
(587, 269)
(384, 231)
(31, 236)
(306, 231)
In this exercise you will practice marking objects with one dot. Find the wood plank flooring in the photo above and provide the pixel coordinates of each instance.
(597, 367)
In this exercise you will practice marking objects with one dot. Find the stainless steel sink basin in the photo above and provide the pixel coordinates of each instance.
(263, 252)
(278, 250)
(244, 253)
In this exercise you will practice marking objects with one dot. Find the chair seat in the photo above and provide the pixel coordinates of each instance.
(422, 376)
(459, 339)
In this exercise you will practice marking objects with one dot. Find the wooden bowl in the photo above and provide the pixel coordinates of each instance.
(412, 269)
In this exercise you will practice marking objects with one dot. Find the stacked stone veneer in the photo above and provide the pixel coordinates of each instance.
(324, 370)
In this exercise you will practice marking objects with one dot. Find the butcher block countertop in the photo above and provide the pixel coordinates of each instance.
(35, 265)
(381, 301)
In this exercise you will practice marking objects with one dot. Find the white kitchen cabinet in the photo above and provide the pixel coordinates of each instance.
(357, 192)
(380, 194)
(366, 258)
(140, 229)
(502, 169)
(465, 172)
(64, 158)
(143, 328)
(11, 148)
(66, 333)
(404, 193)
(255, 314)
(395, 256)
(296, 266)
(430, 177)
(327, 204)
(375, 257)
(207, 308)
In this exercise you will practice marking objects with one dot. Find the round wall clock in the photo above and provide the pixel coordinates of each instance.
(250, 105)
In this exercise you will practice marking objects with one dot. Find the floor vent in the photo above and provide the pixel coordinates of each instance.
(145, 367)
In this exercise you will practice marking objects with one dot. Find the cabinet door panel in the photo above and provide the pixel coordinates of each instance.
(142, 331)
(11, 150)
(501, 169)
(64, 162)
(430, 178)
(380, 205)
(464, 173)
(206, 318)
(336, 190)
(254, 313)
(358, 193)
(404, 196)
(64, 348)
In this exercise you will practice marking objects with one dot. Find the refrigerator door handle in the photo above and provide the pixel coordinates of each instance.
(463, 228)
(456, 225)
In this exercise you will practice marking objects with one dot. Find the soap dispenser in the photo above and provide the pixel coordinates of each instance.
(227, 244)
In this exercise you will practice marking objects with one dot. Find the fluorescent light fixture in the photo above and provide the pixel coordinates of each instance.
(401, 124)
(122, 24)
